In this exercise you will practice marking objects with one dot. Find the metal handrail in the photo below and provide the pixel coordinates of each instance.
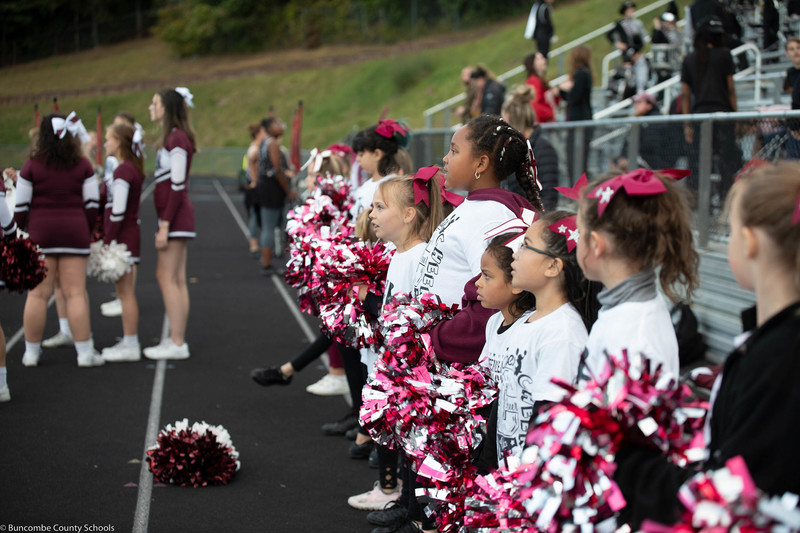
(667, 84)
(557, 53)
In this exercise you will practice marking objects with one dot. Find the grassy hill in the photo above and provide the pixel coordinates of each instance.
(343, 88)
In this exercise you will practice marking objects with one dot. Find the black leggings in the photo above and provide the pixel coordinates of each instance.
(416, 507)
(312, 352)
(387, 467)
(356, 373)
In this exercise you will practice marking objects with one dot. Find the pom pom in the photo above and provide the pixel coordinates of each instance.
(108, 262)
(728, 500)
(564, 480)
(22, 264)
(193, 456)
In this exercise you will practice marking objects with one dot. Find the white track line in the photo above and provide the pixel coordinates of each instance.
(309, 333)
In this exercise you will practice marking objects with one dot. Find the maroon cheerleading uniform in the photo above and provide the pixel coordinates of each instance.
(171, 195)
(58, 206)
(121, 218)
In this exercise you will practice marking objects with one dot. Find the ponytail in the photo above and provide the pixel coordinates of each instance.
(508, 153)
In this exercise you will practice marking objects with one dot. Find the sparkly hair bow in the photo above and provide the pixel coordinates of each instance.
(568, 227)
(341, 150)
(640, 182)
(136, 143)
(71, 124)
(186, 94)
(518, 226)
(387, 128)
(421, 194)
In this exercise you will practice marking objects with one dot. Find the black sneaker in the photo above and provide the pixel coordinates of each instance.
(361, 451)
(393, 514)
(340, 427)
(270, 376)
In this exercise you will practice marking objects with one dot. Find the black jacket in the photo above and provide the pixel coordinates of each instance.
(493, 94)
(756, 414)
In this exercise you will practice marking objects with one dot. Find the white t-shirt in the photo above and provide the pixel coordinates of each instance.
(542, 349)
(399, 278)
(497, 347)
(453, 255)
(640, 327)
(362, 198)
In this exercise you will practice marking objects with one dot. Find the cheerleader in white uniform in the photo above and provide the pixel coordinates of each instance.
(175, 215)
(8, 228)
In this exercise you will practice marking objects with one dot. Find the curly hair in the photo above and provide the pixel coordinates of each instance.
(508, 153)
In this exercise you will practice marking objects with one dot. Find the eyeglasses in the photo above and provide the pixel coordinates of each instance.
(538, 251)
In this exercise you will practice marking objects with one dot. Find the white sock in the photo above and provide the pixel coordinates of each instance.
(34, 348)
(63, 325)
(131, 341)
(3, 374)
(85, 349)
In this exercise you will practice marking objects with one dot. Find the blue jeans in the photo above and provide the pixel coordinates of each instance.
(270, 218)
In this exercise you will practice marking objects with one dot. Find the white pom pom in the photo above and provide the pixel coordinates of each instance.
(108, 262)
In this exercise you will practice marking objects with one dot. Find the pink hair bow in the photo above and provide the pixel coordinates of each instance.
(568, 227)
(387, 128)
(518, 226)
(640, 182)
(421, 179)
(574, 192)
(342, 150)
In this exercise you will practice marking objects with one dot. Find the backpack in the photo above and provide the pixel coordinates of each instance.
(691, 344)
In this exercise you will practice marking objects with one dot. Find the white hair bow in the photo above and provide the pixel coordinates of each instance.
(187, 95)
(62, 125)
(315, 159)
(518, 226)
(136, 145)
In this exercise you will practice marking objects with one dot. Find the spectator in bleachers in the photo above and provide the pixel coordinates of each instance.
(629, 36)
(659, 145)
(665, 31)
(489, 92)
(540, 25)
(464, 111)
(791, 85)
(577, 92)
(544, 101)
(707, 87)
(518, 113)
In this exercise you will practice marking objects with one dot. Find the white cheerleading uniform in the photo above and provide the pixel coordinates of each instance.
(498, 344)
(547, 348)
(453, 255)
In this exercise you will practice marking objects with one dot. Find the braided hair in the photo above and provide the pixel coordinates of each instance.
(508, 153)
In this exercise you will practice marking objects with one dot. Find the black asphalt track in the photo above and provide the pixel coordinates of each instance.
(71, 439)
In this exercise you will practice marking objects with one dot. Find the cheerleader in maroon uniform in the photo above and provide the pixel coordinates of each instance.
(121, 224)
(7, 229)
(175, 215)
(57, 201)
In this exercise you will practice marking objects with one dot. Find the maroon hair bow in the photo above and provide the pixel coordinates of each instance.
(574, 192)
(421, 179)
(341, 150)
(387, 128)
(568, 227)
(640, 182)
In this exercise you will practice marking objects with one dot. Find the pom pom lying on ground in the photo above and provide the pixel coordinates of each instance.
(193, 456)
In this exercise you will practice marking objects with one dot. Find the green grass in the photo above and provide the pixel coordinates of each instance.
(337, 99)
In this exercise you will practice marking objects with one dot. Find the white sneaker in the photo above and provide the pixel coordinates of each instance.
(93, 359)
(374, 500)
(112, 308)
(29, 359)
(167, 350)
(329, 385)
(5, 394)
(57, 341)
(122, 353)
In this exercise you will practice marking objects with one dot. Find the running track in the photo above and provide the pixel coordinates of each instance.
(72, 440)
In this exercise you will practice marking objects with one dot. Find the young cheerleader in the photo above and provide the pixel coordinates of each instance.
(756, 410)
(175, 215)
(8, 228)
(547, 344)
(629, 226)
(121, 224)
(405, 211)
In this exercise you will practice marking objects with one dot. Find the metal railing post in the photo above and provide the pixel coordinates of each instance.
(704, 180)
(633, 147)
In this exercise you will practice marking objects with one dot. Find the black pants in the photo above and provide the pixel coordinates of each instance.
(312, 352)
